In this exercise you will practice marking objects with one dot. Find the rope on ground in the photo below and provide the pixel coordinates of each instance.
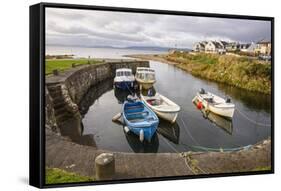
(222, 149)
(187, 159)
(251, 120)
(187, 165)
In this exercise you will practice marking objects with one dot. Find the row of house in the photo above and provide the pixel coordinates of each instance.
(262, 47)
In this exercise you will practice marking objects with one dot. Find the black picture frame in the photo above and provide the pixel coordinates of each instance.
(37, 92)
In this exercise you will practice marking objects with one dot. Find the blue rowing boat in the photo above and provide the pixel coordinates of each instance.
(140, 119)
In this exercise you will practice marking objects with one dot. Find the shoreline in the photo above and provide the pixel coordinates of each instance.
(162, 58)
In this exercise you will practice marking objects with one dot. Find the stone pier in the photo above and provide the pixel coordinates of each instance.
(66, 90)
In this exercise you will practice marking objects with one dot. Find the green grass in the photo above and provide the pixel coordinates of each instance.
(242, 72)
(64, 64)
(263, 168)
(56, 176)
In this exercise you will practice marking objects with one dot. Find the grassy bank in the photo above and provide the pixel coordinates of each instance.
(64, 64)
(56, 176)
(242, 72)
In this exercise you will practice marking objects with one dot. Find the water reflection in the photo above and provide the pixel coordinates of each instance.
(93, 94)
(104, 102)
(121, 95)
(169, 131)
(219, 121)
(73, 129)
(142, 147)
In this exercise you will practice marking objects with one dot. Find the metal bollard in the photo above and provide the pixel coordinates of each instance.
(55, 72)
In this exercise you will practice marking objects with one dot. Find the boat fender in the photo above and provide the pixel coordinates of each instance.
(199, 105)
(228, 100)
(126, 129)
(141, 135)
(116, 117)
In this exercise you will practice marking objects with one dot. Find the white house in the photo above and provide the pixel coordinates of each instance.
(215, 47)
(199, 46)
(244, 47)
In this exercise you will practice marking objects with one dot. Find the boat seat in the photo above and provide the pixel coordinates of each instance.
(136, 113)
(134, 107)
(136, 120)
(141, 120)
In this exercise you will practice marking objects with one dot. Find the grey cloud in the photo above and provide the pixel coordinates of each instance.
(98, 28)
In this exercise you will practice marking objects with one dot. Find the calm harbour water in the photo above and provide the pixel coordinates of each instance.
(250, 124)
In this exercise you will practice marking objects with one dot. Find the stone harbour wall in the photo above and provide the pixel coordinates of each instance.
(66, 90)
(50, 113)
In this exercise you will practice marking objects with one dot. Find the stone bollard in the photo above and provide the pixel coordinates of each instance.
(56, 72)
(105, 166)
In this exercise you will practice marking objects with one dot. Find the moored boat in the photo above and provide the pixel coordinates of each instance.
(162, 106)
(124, 79)
(139, 119)
(214, 103)
(145, 77)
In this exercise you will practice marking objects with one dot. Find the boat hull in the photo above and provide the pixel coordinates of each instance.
(124, 85)
(227, 112)
(148, 131)
(145, 84)
(140, 118)
(168, 114)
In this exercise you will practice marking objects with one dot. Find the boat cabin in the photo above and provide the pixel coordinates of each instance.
(145, 73)
(124, 72)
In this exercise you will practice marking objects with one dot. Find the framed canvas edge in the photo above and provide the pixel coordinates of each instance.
(40, 151)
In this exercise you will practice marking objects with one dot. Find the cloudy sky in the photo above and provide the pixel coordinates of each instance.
(101, 28)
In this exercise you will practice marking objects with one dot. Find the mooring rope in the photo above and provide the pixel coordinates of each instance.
(186, 130)
(129, 89)
(185, 160)
(222, 149)
(251, 120)
(202, 148)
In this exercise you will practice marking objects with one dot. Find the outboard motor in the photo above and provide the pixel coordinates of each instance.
(228, 100)
(202, 91)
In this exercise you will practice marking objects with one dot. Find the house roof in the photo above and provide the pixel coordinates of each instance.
(264, 41)
(224, 43)
(217, 44)
(202, 44)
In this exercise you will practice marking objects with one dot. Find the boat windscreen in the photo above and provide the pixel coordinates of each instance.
(123, 73)
(127, 73)
(149, 76)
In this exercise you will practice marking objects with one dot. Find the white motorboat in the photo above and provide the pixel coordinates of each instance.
(124, 79)
(162, 106)
(145, 77)
(214, 103)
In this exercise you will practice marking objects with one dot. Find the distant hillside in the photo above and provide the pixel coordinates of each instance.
(152, 48)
